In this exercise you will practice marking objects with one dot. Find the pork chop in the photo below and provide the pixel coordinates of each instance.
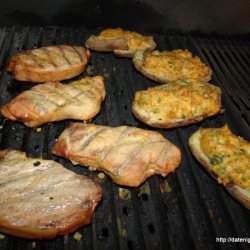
(42, 199)
(53, 101)
(128, 155)
(51, 63)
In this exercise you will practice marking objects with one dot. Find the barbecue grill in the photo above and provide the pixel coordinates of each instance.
(187, 209)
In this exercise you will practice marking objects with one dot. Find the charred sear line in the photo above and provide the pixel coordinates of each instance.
(21, 177)
(133, 155)
(64, 55)
(38, 176)
(85, 93)
(163, 155)
(114, 145)
(35, 59)
(73, 98)
(130, 158)
(66, 95)
(41, 98)
(92, 137)
(94, 86)
(48, 54)
(78, 53)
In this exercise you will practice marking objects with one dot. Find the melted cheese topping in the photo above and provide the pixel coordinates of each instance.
(135, 41)
(180, 101)
(176, 64)
(229, 155)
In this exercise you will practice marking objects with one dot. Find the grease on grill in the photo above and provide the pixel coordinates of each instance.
(101, 175)
(90, 70)
(122, 231)
(164, 187)
(38, 130)
(77, 236)
(144, 189)
(124, 193)
(106, 75)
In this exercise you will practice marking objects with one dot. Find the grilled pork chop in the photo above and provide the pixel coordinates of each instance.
(51, 63)
(53, 101)
(42, 199)
(128, 155)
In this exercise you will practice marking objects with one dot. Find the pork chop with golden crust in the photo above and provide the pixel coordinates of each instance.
(42, 199)
(126, 154)
(51, 63)
(54, 101)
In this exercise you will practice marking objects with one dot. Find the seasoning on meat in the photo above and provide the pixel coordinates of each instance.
(51, 63)
(53, 101)
(43, 201)
(126, 154)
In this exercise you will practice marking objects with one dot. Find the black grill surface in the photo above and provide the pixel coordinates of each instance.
(186, 210)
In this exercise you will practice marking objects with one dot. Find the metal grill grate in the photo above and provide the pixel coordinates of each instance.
(185, 210)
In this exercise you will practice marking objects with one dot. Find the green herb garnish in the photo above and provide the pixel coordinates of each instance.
(215, 160)
(156, 110)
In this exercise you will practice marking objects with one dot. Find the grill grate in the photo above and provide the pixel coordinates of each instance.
(185, 210)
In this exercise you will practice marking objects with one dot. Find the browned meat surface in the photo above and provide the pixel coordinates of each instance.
(128, 155)
(41, 199)
(53, 101)
(51, 63)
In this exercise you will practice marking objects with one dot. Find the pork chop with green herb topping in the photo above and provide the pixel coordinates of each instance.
(176, 104)
(226, 157)
(169, 66)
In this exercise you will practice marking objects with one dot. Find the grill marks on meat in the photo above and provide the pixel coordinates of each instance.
(53, 101)
(41, 199)
(128, 155)
(51, 63)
